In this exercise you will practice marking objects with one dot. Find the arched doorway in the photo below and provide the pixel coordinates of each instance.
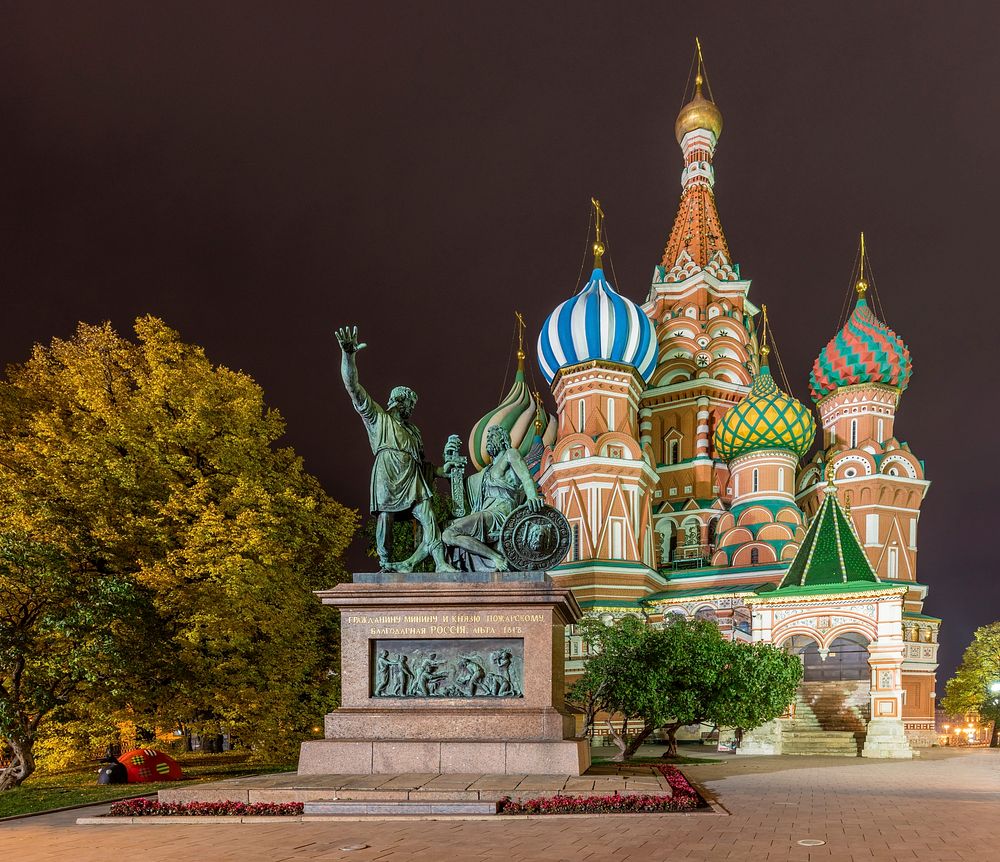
(834, 695)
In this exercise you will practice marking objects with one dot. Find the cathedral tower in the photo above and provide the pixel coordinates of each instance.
(698, 303)
(857, 382)
(762, 438)
(597, 350)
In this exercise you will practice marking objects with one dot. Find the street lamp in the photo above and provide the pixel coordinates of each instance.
(995, 687)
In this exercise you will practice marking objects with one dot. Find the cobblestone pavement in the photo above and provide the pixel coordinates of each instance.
(944, 806)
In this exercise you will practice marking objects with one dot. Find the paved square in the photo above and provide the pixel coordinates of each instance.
(943, 806)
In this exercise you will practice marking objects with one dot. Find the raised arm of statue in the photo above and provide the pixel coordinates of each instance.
(347, 336)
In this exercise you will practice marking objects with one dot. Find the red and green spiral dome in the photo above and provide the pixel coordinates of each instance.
(864, 351)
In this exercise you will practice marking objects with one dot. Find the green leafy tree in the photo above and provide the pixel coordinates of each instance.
(656, 675)
(143, 466)
(681, 673)
(970, 692)
(691, 657)
(58, 640)
(756, 684)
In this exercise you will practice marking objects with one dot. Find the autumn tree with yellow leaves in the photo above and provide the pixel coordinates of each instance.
(158, 549)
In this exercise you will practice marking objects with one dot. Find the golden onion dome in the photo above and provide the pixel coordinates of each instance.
(766, 418)
(699, 113)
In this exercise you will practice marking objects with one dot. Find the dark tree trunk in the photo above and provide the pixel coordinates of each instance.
(995, 739)
(21, 766)
(671, 730)
(619, 740)
(636, 741)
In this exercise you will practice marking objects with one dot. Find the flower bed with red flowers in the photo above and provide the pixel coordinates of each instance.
(683, 798)
(153, 808)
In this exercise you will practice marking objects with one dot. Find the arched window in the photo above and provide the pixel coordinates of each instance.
(781, 478)
(611, 414)
(756, 479)
(854, 433)
(754, 556)
(881, 431)
(893, 564)
(846, 658)
(672, 448)
(581, 416)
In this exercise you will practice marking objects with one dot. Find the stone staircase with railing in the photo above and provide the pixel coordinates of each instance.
(830, 718)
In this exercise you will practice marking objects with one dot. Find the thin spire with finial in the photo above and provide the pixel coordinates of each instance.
(764, 349)
(698, 77)
(829, 476)
(598, 224)
(862, 286)
(521, 355)
(701, 72)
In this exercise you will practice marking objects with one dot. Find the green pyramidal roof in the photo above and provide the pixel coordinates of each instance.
(831, 554)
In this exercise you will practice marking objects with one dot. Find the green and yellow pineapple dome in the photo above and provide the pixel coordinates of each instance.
(766, 419)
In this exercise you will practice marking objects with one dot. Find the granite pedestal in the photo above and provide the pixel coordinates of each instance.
(493, 702)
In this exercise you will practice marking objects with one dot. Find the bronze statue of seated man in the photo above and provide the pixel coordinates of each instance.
(494, 493)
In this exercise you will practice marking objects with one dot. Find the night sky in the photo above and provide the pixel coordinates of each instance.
(257, 174)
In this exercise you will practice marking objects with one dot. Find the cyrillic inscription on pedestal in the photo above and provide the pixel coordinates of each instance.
(449, 667)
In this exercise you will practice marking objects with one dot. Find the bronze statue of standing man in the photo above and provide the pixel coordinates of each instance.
(400, 484)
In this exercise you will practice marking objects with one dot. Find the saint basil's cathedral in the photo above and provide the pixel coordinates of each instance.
(681, 466)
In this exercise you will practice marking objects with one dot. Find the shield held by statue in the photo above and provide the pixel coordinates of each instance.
(531, 541)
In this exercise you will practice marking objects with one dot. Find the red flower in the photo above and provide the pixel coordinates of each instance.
(154, 808)
(684, 797)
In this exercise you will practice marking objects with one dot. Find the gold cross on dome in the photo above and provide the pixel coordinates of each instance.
(520, 334)
(598, 223)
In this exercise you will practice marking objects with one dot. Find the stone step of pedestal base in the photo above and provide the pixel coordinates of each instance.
(820, 751)
(399, 807)
(836, 743)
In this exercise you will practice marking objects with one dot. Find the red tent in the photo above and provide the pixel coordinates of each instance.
(145, 764)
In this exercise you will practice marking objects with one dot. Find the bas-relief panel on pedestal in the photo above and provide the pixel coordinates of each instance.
(448, 667)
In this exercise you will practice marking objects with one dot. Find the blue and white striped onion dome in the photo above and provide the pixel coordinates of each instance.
(597, 323)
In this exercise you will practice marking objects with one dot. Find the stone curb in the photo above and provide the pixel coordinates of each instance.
(369, 818)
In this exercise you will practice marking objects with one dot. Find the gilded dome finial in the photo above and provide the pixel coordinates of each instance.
(765, 351)
(700, 112)
(598, 244)
(698, 78)
(862, 286)
(520, 341)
